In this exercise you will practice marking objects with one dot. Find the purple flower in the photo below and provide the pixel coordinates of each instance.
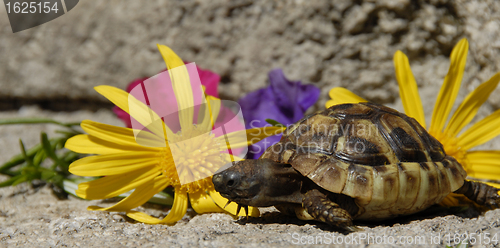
(283, 100)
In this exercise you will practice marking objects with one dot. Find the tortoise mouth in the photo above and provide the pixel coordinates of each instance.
(233, 196)
(236, 186)
(240, 197)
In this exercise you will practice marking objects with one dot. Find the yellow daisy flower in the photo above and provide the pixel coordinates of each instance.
(143, 161)
(483, 165)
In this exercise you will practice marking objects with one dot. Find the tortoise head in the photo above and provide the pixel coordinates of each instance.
(259, 183)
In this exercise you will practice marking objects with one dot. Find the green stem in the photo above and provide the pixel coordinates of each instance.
(10, 181)
(274, 123)
(36, 121)
(29, 160)
(19, 159)
(39, 121)
(11, 173)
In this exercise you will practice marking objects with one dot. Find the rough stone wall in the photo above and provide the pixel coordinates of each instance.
(328, 43)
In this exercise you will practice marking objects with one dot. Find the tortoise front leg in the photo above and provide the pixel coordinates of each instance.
(481, 193)
(322, 209)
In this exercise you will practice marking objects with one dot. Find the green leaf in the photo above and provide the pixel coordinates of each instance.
(70, 156)
(60, 143)
(19, 159)
(10, 181)
(28, 159)
(49, 150)
(11, 173)
(162, 198)
(47, 146)
(21, 179)
(47, 175)
(463, 244)
(274, 123)
(40, 156)
(58, 180)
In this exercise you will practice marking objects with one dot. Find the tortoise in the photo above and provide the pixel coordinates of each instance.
(359, 161)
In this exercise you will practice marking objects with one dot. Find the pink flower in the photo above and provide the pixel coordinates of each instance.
(157, 93)
(208, 79)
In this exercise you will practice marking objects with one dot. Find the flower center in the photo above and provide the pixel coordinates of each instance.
(191, 159)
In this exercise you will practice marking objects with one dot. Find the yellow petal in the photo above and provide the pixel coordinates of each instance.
(482, 174)
(483, 164)
(330, 103)
(232, 207)
(247, 137)
(106, 139)
(140, 196)
(176, 213)
(454, 199)
(341, 95)
(124, 136)
(451, 85)
(210, 113)
(111, 186)
(481, 132)
(135, 108)
(496, 185)
(450, 200)
(226, 157)
(113, 164)
(181, 85)
(179, 208)
(86, 144)
(484, 157)
(172, 60)
(408, 89)
(469, 107)
(143, 217)
(202, 203)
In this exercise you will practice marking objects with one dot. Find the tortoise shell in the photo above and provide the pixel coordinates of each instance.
(383, 159)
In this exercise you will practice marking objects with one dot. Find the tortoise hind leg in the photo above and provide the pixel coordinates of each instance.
(322, 209)
(481, 193)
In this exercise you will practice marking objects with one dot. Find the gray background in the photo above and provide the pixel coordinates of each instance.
(337, 43)
(326, 43)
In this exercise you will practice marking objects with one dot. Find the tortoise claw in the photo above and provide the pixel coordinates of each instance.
(246, 210)
(245, 207)
(352, 228)
(238, 210)
(228, 202)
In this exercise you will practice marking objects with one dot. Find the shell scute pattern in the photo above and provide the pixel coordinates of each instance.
(359, 183)
(383, 159)
(364, 134)
(316, 132)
